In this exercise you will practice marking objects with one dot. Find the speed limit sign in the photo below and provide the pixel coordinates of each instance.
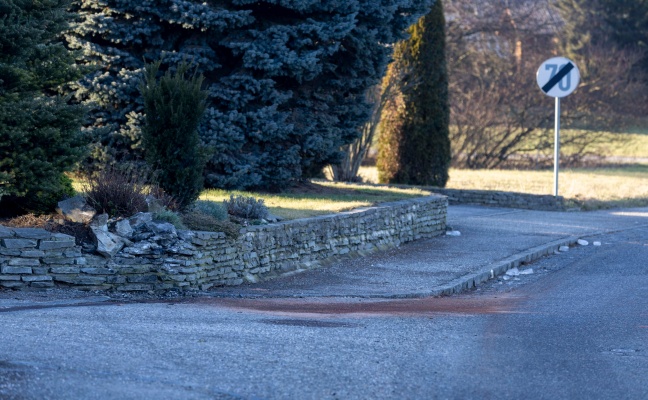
(558, 77)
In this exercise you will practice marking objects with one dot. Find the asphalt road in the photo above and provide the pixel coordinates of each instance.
(575, 329)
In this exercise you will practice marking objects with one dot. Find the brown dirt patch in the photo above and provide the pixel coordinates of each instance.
(432, 305)
(52, 223)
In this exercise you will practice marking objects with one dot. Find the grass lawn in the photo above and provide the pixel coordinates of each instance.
(624, 145)
(592, 188)
(320, 198)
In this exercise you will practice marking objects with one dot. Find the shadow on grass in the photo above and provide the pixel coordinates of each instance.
(309, 199)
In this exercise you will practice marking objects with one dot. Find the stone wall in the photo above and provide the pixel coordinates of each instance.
(503, 199)
(168, 259)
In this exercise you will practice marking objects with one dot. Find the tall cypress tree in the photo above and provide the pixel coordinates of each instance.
(286, 78)
(174, 105)
(40, 135)
(414, 147)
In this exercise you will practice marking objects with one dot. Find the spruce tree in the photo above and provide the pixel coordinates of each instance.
(286, 78)
(414, 147)
(40, 135)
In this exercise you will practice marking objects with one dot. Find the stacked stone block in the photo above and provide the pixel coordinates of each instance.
(201, 260)
(503, 199)
(28, 256)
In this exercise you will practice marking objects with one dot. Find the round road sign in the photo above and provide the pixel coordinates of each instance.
(558, 77)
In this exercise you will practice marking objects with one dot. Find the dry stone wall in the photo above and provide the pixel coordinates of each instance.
(161, 258)
(503, 199)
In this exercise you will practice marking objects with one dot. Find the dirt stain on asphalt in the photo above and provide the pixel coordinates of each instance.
(467, 305)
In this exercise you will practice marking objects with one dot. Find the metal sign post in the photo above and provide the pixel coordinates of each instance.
(556, 146)
(557, 77)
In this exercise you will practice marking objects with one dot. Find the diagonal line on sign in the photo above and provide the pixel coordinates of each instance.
(558, 77)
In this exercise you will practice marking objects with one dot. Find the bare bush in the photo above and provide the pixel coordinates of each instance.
(124, 191)
(499, 117)
(355, 153)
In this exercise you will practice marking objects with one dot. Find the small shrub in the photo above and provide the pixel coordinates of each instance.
(199, 221)
(211, 208)
(170, 217)
(246, 207)
(117, 192)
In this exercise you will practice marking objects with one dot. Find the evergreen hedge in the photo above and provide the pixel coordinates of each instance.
(40, 135)
(414, 147)
(174, 106)
(285, 78)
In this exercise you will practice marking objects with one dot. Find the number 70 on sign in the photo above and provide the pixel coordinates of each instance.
(565, 83)
(558, 77)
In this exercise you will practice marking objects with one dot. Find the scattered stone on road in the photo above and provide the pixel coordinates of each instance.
(582, 242)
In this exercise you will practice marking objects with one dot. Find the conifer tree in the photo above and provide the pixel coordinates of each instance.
(414, 147)
(286, 78)
(174, 106)
(40, 135)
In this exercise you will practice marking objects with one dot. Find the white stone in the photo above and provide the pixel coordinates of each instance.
(596, 243)
(582, 242)
(506, 277)
(248, 277)
(273, 218)
(564, 248)
(108, 244)
(100, 221)
(453, 233)
(527, 271)
(140, 219)
(513, 272)
(161, 228)
(76, 209)
(123, 228)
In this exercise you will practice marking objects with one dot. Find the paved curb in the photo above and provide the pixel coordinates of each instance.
(34, 305)
(486, 273)
(499, 268)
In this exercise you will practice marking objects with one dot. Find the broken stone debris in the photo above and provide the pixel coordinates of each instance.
(582, 242)
(596, 243)
(453, 233)
(76, 209)
(563, 248)
(138, 235)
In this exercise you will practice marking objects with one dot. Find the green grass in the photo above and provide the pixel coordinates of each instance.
(320, 199)
(589, 188)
